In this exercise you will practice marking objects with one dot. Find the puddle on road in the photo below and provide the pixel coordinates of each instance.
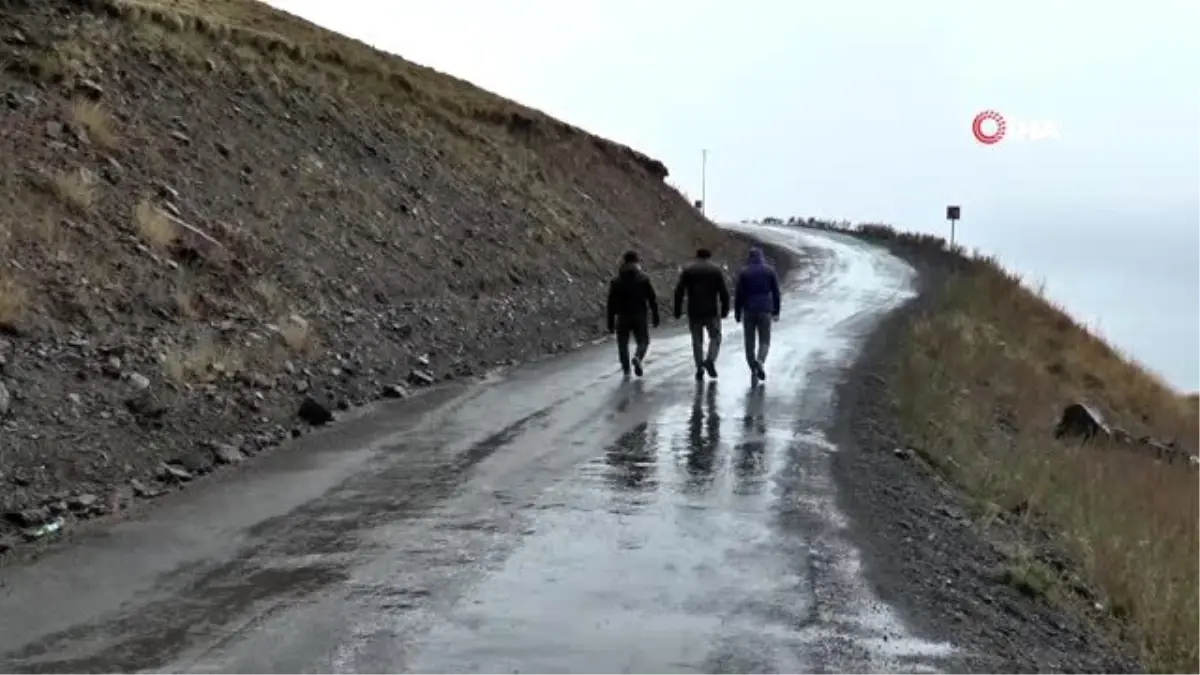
(703, 540)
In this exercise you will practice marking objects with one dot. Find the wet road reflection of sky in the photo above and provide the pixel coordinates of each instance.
(664, 543)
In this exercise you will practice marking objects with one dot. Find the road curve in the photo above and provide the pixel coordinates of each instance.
(553, 519)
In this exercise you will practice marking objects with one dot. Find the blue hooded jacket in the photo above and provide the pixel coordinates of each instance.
(757, 288)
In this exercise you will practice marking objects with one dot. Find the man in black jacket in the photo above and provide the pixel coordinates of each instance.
(703, 283)
(631, 298)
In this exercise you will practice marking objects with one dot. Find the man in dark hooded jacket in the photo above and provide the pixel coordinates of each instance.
(632, 305)
(703, 283)
(756, 304)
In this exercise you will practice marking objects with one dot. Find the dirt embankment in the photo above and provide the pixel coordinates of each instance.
(1043, 553)
(212, 210)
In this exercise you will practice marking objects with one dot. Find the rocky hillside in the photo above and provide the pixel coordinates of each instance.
(212, 210)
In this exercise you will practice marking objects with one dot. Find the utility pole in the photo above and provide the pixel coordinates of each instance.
(703, 181)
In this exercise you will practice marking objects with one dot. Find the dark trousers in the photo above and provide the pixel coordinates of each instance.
(756, 328)
(639, 330)
(712, 326)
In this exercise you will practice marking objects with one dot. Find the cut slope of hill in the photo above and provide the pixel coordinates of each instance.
(966, 388)
(210, 209)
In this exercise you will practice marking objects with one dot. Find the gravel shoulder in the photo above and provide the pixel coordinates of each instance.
(924, 550)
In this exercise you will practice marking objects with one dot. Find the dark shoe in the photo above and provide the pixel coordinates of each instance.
(711, 368)
(637, 367)
(700, 374)
(762, 374)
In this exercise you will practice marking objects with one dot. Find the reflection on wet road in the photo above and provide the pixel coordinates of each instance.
(559, 519)
(659, 556)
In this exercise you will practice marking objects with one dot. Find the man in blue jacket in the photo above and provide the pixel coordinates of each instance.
(756, 305)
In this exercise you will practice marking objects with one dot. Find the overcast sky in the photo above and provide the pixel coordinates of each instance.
(862, 110)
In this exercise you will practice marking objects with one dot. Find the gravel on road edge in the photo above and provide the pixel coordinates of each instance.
(922, 552)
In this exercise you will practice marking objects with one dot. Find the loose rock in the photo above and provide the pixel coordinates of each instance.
(82, 502)
(44, 530)
(90, 88)
(225, 453)
(314, 412)
(421, 378)
(140, 489)
(196, 462)
(112, 368)
(394, 391)
(1080, 420)
(174, 472)
(146, 406)
(28, 517)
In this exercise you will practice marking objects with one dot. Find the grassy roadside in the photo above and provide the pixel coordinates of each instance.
(977, 386)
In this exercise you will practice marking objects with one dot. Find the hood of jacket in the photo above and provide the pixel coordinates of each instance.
(755, 257)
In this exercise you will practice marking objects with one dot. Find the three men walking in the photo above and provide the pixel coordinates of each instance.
(703, 283)
(633, 307)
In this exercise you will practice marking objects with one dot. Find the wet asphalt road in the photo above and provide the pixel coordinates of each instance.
(556, 519)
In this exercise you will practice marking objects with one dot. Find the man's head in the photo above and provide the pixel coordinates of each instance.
(756, 255)
(630, 258)
(703, 253)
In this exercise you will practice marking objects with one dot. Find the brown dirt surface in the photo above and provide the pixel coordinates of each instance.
(212, 210)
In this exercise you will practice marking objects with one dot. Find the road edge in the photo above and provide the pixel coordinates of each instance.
(921, 552)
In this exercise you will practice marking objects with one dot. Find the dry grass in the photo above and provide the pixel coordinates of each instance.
(153, 226)
(184, 298)
(270, 34)
(94, 119)
(282, 48)
(28, 224)
(977, 389)
(51, 64)
(46, 230)
(204, 361)
(1026, 574)
(297, 335)
(14, 301)
(76, 189)
(185, 304)
(269, 294)
(208, 360)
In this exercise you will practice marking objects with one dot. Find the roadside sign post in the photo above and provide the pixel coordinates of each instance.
(953, 213)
